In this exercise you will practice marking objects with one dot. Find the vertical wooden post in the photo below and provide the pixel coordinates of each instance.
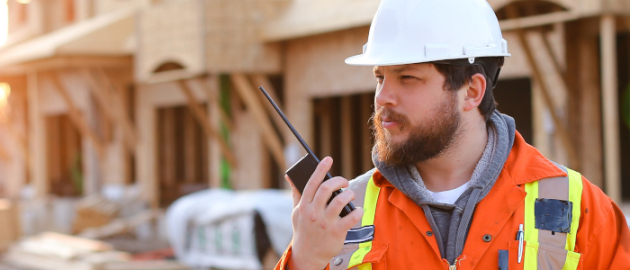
(347, 151)
(610, 108)
(211, 87)
(37, 137)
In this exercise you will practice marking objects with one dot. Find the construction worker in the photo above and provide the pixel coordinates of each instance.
(455, 186)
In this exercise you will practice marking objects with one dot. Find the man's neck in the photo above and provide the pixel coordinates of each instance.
(456, 165)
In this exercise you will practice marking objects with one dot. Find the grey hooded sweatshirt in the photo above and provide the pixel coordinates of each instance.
(451, 222)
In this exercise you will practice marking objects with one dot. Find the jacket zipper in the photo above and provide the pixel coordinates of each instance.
(454, 266)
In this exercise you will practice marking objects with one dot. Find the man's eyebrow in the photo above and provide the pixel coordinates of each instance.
(404, 68)
(378, 70)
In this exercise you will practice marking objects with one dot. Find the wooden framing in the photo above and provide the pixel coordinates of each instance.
(554, 58)
(37, 137)
(77, 118)
(203, 120)
(4, 154)
(66, 62)
(212, 99)
(610, 125)
(563, 133)
(262, 80)
(121, 114)
(102, 100)
(538, 20)
(347, 149)
(246, 92)
(20, 139)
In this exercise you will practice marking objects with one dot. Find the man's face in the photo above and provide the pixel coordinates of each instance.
(415, 119)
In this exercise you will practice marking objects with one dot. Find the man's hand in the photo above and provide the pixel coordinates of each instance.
(318, 230)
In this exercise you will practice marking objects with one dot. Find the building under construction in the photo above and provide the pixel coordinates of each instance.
(162, 94)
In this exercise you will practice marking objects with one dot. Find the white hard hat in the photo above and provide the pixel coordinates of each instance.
(418, 31)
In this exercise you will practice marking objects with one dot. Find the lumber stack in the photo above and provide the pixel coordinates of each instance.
(94, 211)
(58, 251)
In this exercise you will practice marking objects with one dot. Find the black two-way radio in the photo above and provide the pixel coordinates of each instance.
(302, 170)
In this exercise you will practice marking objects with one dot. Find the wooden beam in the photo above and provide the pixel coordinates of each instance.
(4, 154)
(612, 169)
(20, 139)
(102, 100)
(555, 59)
(77, 118)
(203, 120)
(67, 62)
(247, 94)
(347, 150)
(537, 20)
(122, 114)
(264, 81)
(563, 134)
(172, 75)
(36, 138)
(211, 95)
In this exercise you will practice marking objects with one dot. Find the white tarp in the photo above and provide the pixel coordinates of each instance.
(215, 228)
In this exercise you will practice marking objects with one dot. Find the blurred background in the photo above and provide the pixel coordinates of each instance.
(133, 136)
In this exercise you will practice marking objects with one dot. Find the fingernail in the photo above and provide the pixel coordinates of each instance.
(327, 160)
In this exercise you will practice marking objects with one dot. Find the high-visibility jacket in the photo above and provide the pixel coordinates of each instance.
(528, 191)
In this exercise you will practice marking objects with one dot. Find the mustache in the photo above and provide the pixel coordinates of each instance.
(391, 114)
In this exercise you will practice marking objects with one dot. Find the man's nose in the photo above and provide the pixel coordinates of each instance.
(385, 94)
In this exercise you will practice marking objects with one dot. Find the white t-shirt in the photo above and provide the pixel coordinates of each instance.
(449, 196)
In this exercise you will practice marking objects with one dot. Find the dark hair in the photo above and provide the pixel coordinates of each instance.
(458, 75)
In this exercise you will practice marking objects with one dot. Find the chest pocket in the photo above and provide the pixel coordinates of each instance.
(552, 215)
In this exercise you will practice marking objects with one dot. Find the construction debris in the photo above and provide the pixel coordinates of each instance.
(48, 251)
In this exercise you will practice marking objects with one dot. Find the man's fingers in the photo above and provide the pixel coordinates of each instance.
(316, 179)
(337, 203)
(348, 221)
(294, 192)
(326, 189)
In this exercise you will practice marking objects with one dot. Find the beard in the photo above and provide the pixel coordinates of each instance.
(424, 142)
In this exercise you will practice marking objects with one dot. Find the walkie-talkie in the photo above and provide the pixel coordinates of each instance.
(302, 170)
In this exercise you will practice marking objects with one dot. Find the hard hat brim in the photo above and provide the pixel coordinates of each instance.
(365, 60)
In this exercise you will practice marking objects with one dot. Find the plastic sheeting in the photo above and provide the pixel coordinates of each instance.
(215, 228)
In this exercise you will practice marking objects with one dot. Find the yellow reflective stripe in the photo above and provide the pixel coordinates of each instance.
(531, 256)
(531, 233)
(365, 266)
(572, 261)
(369, 204)
(369, 210)
(575, 197)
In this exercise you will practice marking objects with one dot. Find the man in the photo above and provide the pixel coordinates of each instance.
(455, 186)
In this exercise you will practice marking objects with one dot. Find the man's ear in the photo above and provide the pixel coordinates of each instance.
(475, 92)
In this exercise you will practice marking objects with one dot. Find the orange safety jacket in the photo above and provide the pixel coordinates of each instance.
(403, 238)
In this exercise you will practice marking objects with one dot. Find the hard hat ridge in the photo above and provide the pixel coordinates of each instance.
(419, 31)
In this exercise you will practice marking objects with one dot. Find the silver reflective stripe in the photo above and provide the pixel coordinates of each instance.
(359, 235)
(556, 188)
(552, 250)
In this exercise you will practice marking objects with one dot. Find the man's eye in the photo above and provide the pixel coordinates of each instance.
(379, 78)
(404, 77)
